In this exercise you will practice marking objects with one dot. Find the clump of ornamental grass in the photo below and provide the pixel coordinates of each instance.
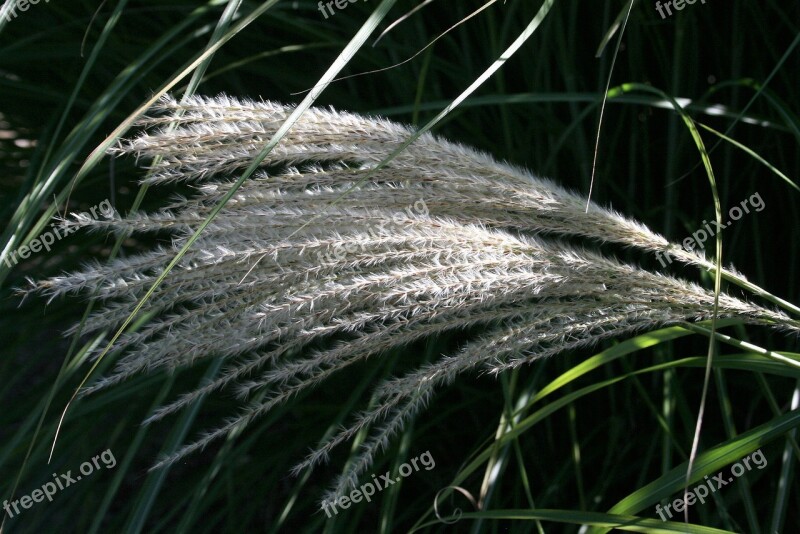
(324, 244)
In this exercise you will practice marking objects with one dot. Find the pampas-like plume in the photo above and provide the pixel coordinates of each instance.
(441, 238)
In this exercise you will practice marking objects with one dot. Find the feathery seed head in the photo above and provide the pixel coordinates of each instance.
(441, 238)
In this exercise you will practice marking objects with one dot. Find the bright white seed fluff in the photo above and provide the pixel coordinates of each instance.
(441, 238)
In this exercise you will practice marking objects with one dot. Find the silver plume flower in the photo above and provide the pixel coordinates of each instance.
(441, 238)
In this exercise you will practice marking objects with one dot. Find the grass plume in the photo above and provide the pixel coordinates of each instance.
(442, 238)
